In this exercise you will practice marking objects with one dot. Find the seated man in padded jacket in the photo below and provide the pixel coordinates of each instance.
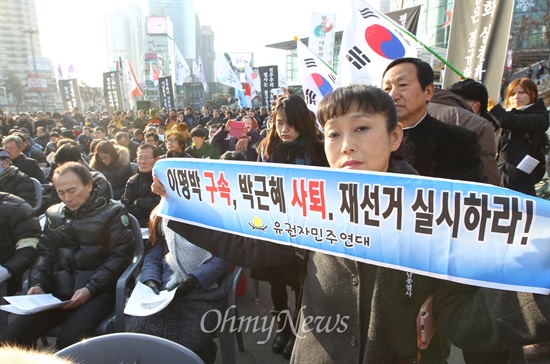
(138, 197)
(19, 232)
(86, 245)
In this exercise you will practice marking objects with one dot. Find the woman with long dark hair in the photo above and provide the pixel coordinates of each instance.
(293, 139)
(114, 163)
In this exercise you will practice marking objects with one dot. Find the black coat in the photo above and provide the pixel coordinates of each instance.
(89, 247)
(18, 183)
(436, 149)
(30, 167)
(521, 131)
(19, 232)
(138, 197)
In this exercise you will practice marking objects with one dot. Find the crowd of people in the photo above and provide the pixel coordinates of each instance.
(100, 166)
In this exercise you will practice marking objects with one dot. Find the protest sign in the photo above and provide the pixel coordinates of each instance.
(466, 232)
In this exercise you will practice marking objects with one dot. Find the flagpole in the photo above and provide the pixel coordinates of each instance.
(423, 45)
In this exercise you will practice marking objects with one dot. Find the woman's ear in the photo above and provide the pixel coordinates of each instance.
(396, 136)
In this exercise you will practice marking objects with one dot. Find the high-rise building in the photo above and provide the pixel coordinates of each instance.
(126, 37)
(207, 53)
(19, 41)
(182, 15)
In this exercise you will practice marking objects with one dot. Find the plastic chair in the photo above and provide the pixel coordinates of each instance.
(38, 193)
(134, 167)
(116, 321)
(129, 348)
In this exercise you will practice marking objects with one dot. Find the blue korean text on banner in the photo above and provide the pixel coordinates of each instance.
(466, 232)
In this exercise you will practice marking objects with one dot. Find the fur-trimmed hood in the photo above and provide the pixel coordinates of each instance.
(123, 155)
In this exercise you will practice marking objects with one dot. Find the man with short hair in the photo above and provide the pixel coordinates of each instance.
(100, 133)
(261, 118)
(42, 137)
(123, 139)
(201, 149)
(206, 117)
(32, 151)
(117, 120)
(433, 148)
(138, 197)
(452, 109)
(86, 245)
(140, 121)
(14, 146)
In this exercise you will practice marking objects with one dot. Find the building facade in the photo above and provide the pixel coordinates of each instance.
(27, 78)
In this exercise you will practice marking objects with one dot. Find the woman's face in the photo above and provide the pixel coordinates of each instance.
(286, 132)
(105, 158)
(359, 141)
(519, 98)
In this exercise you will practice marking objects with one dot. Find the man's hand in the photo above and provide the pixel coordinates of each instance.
(35, 290)
(80, 297)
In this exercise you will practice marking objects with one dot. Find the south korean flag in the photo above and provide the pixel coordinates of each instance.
(369, 43)
(318, 79)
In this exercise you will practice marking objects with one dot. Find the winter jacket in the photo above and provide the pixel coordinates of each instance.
(36, 154)
(355, 312)
(119, 173)
(138, 197)
(452, 109)
(90, 247)
(206, 151)
(437, 149)
(19, 232)
(30, 167)
(520, 133)
(13, 181)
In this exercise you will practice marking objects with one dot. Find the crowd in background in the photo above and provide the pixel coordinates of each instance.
(462, 135)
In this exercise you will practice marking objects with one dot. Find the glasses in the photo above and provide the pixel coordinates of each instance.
(171, 140)
(144, 159)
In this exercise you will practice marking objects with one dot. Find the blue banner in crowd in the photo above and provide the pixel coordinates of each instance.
(465, 232)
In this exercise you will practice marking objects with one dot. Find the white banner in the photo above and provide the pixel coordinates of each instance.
(321, 36)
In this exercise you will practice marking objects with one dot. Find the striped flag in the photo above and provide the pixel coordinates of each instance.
(318, 79)
(369, 43)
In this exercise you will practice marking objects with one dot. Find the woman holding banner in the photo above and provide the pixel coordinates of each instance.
(294, 139)
(372, 311)
(521, 137)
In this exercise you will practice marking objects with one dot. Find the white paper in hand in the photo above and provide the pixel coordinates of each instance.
(528, 164)
(144, 302)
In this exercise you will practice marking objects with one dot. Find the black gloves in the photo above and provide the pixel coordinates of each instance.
(188, 285)
(153, 285)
